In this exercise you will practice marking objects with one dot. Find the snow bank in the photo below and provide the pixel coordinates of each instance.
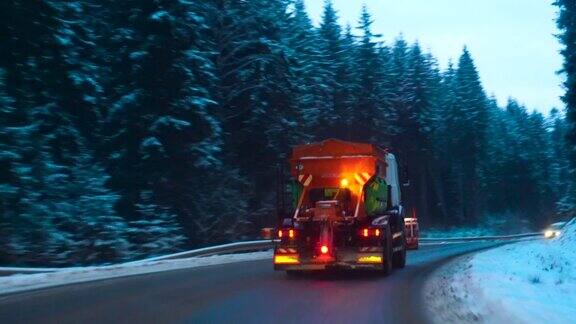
(22, 282)
(526, 282)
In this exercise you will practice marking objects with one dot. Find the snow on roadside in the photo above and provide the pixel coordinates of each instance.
(22, 282)
(524, 282)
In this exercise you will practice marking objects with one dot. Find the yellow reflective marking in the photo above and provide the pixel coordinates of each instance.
(370, 259)
(286, 259)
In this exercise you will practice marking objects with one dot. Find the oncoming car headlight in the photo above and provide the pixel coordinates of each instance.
(551, 234)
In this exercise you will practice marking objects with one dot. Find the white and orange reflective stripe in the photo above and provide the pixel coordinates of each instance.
(362, 177)
(305, 179)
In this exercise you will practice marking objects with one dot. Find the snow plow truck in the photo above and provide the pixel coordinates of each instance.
(347, 210)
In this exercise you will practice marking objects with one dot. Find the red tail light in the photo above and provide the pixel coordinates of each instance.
(324, 249)
(280, 234)
(291, 233)
(377, 232)
(365, 232)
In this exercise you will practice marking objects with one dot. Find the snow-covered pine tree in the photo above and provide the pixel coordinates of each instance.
(47, 118)
(84, 68)
(65, 202)
(304, 57)
(347, 94)
(415, 123)
(369, 112)
(518, 155)
(334, 62)
(469, 122)
(401, 88)
(441, 98)
(10, 154)
(444, 142)
(162, 126)
(567, 24)
(498, 157)
(101, 234)
(155, 230)
(560, 179)
(257, 96)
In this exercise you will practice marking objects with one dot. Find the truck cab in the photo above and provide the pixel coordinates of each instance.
(347, 210)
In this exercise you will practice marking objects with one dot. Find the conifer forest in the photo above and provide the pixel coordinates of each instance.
(137, 128)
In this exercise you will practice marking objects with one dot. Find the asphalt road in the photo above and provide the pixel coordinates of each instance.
(244, 292)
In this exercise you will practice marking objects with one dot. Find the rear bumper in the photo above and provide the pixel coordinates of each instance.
(326, 266)
(343, 260)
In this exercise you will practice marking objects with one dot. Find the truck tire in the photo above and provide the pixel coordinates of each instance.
(388, 255)
(399, 259)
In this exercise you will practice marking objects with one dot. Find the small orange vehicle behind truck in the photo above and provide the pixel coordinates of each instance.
(347, 210)
(412, 231)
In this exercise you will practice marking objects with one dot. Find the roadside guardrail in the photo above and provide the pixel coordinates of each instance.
(481, 238)
(258, 245)
(247, 246)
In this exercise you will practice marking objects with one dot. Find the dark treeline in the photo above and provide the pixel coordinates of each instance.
(141, 127)
(567, 24)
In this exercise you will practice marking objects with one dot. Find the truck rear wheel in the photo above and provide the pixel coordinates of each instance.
(399, 258)
(387, 265)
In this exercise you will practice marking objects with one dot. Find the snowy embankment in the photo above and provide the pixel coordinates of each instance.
(22, 282)
(525, 282)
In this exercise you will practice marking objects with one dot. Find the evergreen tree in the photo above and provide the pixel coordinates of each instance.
(156, 230)
(468, 119)
(369, 115)
(162, 131)
(519, 173)
(415, 107)
(334, 62)
(45, 121)
(400, 83)
(567, 24)
(10, 155)
(256, 97)
(560, 178)
(304, 59)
